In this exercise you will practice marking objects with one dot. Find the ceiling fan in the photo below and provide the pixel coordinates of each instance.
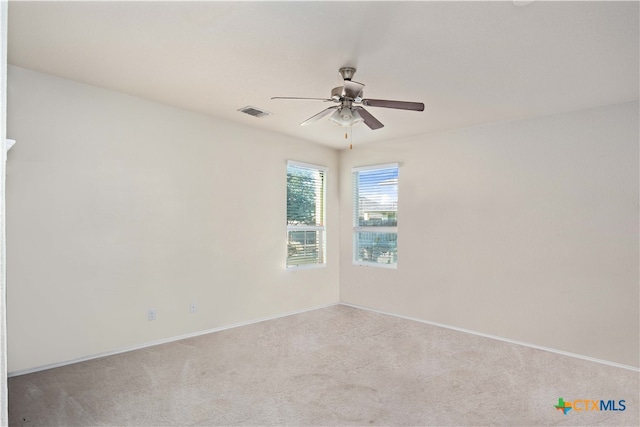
(350, 109)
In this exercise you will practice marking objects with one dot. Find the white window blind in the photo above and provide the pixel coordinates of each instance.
(305, 214)
(375, 219)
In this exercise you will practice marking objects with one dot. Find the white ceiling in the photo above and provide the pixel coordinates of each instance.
(469, 62)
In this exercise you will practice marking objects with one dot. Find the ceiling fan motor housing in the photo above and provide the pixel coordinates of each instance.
(337, 94)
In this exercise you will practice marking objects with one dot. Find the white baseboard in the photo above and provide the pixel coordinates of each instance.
(164, 341)
(264, 319)
(495, 337)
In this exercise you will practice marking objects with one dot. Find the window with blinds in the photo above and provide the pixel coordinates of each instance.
(375, 215)
(305, 214)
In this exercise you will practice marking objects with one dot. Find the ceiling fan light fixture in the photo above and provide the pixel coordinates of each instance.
(346, 117)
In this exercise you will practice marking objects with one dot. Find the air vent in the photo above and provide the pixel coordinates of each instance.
(253, 111)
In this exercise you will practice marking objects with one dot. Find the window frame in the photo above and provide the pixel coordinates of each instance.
(322, 228)
(371, 229)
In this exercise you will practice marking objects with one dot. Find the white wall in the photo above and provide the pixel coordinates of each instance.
(116, 204)
(4, 416)
(525, 230)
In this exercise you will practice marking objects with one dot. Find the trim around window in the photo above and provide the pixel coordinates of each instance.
(306, 201)
(375, 215)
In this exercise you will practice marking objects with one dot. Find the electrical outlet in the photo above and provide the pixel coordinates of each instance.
(193, 307)
(151, 314)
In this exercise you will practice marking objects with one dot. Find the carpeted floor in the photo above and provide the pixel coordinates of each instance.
(332, 366)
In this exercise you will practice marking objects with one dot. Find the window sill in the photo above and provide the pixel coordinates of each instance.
(375, 264)
(305, 267)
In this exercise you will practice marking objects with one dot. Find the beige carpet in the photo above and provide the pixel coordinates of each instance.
(333, 366)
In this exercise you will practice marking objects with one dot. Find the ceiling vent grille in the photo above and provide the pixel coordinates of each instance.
(253, 111)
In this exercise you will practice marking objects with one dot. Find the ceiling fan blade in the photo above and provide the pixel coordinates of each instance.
(369, 120)
(351, 89)
(301, 99)
(320, 115)
(400, 105)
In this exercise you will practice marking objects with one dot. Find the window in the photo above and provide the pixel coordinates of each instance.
(305, 214)
(375, 215)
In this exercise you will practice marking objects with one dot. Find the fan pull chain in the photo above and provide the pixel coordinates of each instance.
(351, 142)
